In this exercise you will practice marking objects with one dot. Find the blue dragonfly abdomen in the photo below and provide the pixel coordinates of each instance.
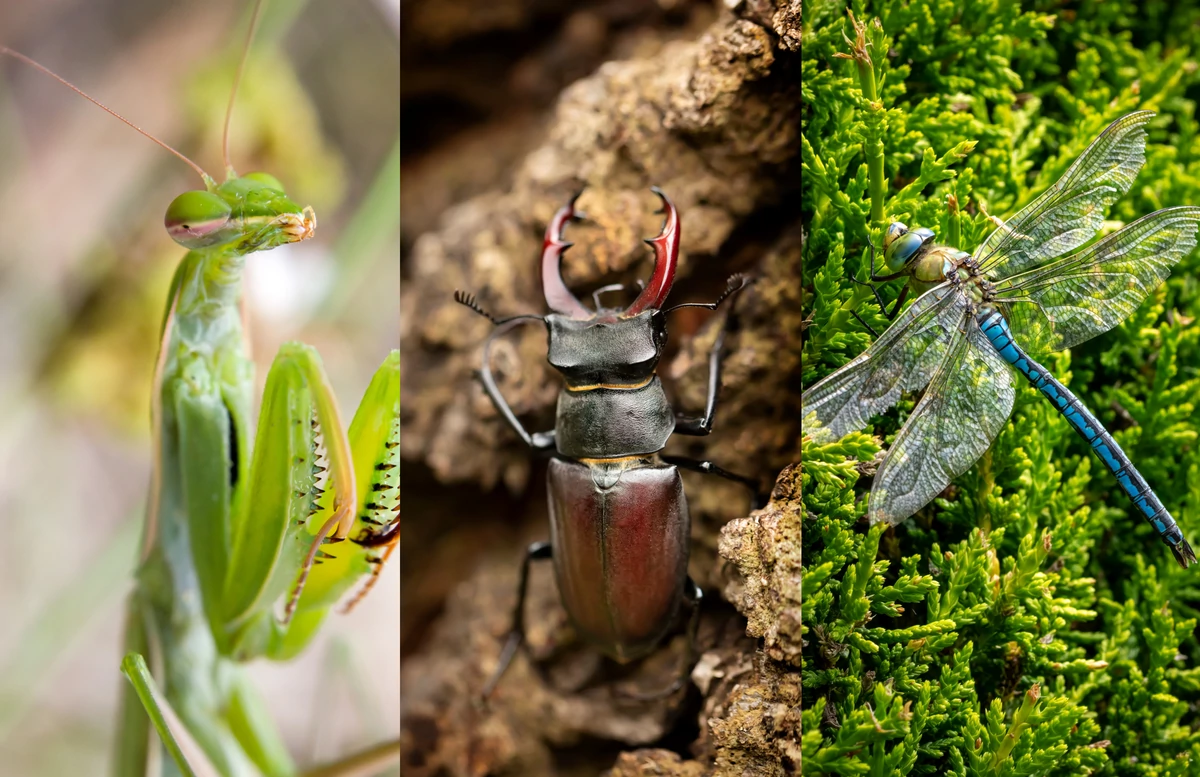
(995, 328)
(1056, 287)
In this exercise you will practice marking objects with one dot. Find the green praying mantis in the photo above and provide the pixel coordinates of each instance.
(247, 546)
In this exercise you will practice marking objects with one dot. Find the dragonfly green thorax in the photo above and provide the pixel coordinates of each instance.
(913, 253)
(246, 213)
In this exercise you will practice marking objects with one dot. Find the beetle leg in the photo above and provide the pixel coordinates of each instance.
(694, 597)
(699, 427)
(537, 440)
(516, 636)
(708, 468)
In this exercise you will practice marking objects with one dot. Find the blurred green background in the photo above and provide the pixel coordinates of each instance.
(84, 269)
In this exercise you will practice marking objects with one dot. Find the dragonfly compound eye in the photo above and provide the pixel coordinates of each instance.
(901, 248)
(895, 229)
(197, 219)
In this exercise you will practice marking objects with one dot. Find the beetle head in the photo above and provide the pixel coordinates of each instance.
(608, 346)
(613, 350)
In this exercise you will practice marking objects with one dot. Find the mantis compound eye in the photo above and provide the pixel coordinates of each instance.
(198, 219)
(266, 179)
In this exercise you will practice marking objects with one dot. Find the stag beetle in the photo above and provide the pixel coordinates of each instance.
(619, 524)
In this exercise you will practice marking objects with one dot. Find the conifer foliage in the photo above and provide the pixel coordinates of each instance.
(1028, 622)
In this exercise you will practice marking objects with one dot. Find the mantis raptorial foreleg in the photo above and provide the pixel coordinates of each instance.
(283, 566)
(283, 482)
(299, 539)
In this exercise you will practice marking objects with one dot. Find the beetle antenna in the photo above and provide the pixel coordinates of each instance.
(237, 81)
(736, 283)
(468, 299)
(208, 180)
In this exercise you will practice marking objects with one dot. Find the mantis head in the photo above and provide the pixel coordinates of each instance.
(246, 213)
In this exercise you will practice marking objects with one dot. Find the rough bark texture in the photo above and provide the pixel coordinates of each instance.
(765, 549)
(707, 108)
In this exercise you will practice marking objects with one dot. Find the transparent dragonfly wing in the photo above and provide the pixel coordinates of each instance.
(1064, 303)
(1069, 213)
(963, 409)
(903, 359)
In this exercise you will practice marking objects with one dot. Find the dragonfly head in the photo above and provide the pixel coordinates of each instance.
(246, 213)
(901, 245)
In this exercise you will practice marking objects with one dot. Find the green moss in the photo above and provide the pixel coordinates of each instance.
(1029, 621)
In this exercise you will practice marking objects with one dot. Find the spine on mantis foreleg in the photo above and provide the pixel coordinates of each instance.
(374, 437)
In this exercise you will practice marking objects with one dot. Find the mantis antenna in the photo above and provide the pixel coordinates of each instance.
(208, 180)
(237, 81)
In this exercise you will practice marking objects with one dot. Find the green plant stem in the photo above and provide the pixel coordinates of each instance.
(1019, 723)
(873, 146)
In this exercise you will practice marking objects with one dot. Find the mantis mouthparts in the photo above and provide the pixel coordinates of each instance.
(299, 227)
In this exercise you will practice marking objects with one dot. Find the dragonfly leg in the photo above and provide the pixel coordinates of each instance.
(880, 278)
(867, 326)
(890, 315)
(538, 551)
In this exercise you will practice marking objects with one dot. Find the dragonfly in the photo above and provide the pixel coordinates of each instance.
(1029, 287)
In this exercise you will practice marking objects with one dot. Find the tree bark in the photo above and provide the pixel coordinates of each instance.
(712, 116)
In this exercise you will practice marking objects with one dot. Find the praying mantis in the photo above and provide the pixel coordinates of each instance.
(253, 532)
